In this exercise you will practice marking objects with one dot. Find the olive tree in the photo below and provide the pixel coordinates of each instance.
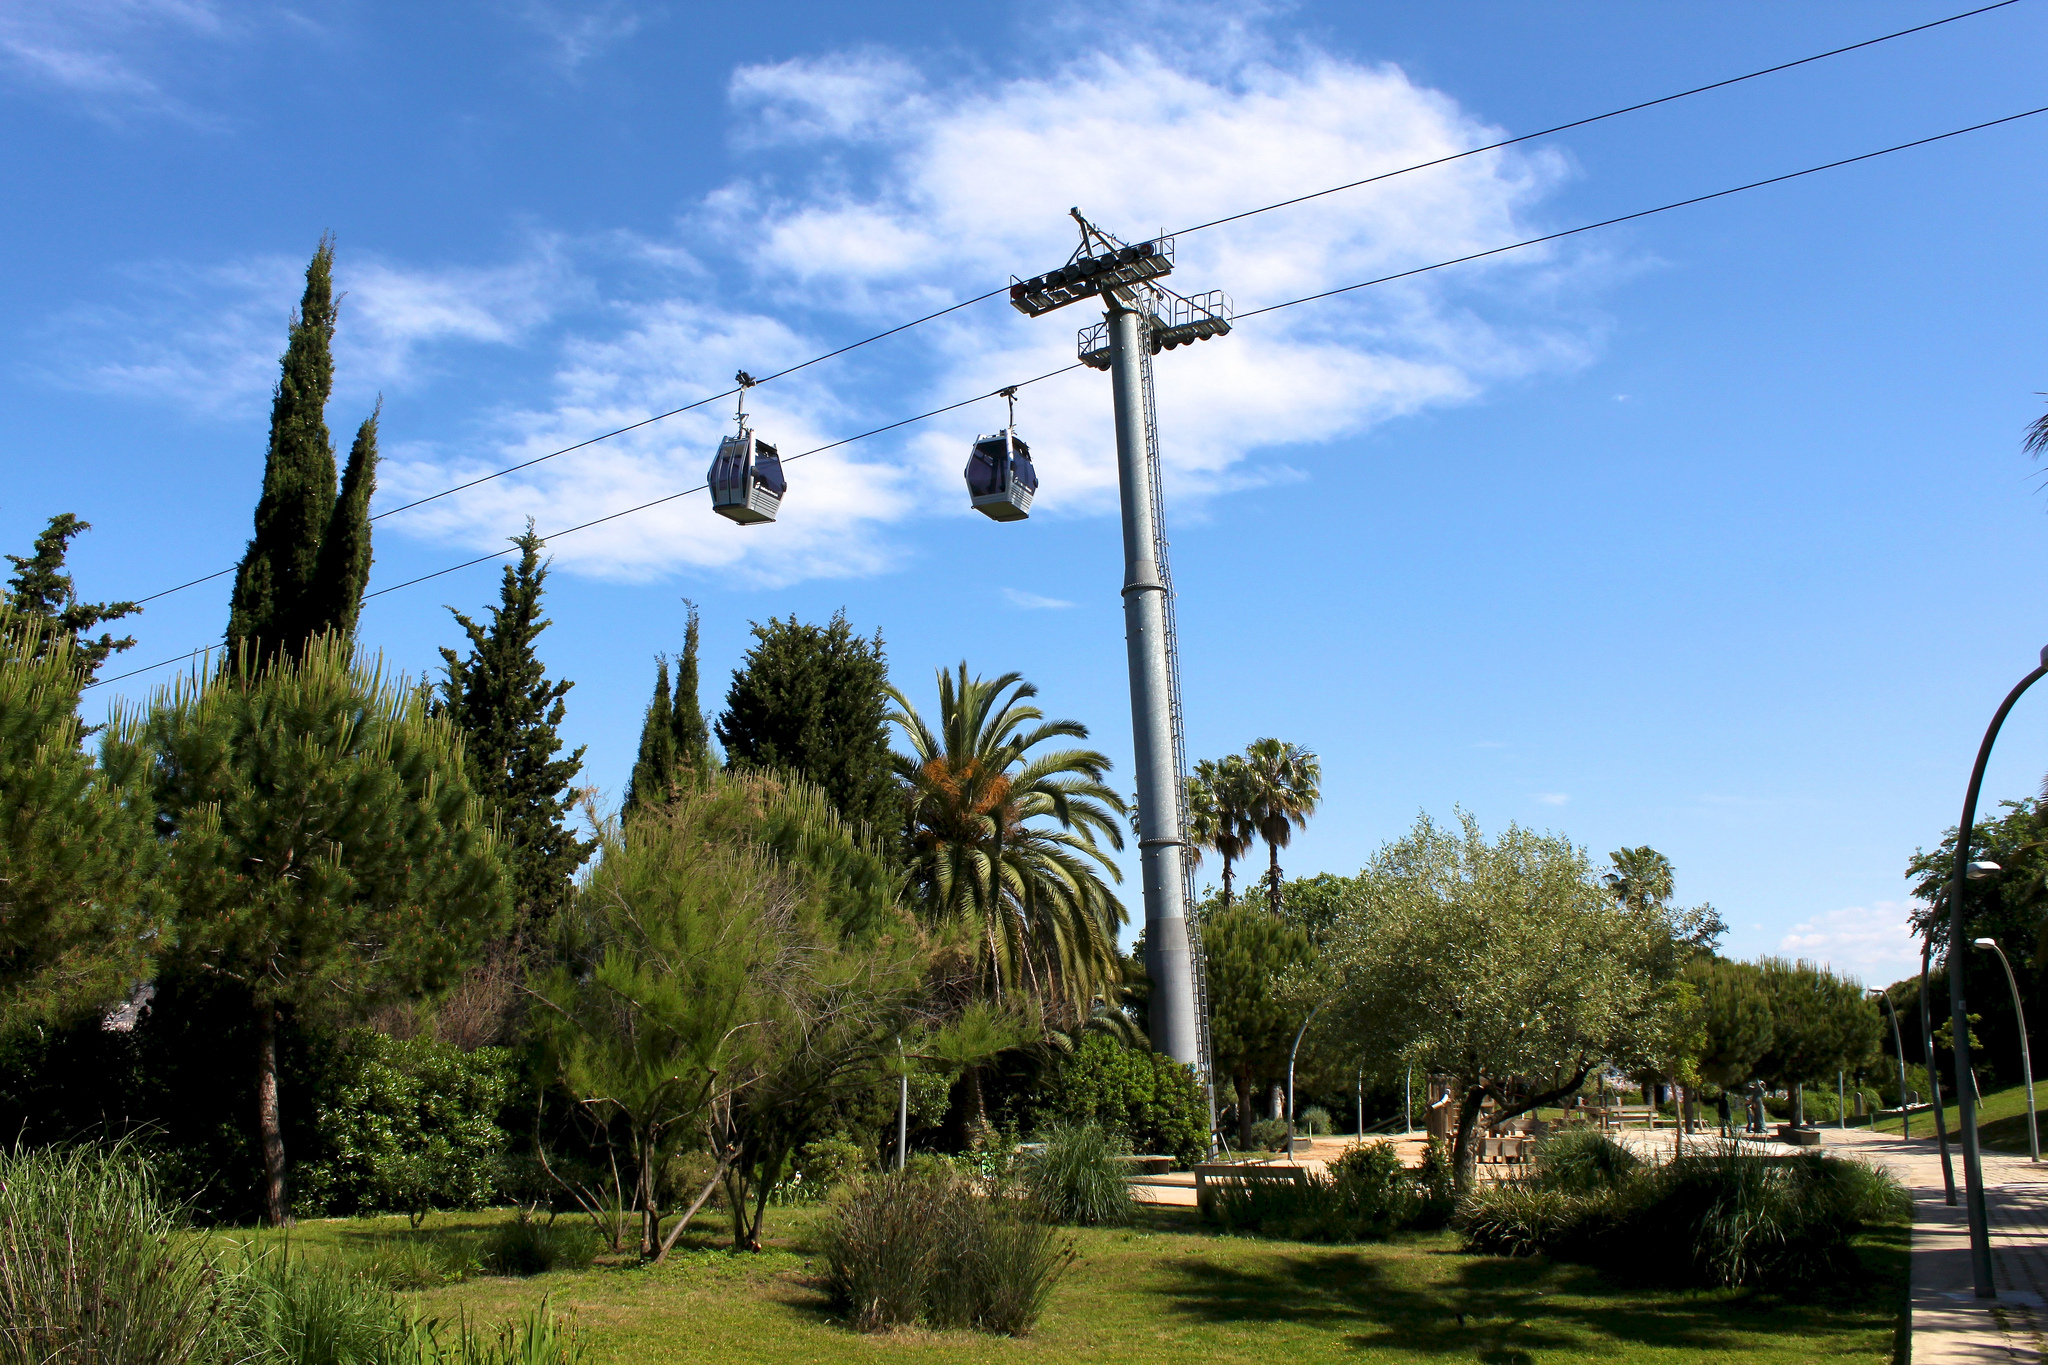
(1506, 964)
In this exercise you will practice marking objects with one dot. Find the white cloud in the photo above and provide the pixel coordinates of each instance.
(1553, 798)
(576, 35)
(101, 49)
(881, 191)
(1031, 601)
(1875, 944)
(208, 339)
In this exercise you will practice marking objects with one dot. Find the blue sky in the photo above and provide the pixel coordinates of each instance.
(1711, 531)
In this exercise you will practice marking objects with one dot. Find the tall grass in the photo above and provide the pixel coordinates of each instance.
(1076, 1178)
(93, 1266)
(927, 1245)
(97, 1269)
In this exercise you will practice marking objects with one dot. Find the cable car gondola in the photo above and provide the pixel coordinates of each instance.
(746, 477)
(1000, 479)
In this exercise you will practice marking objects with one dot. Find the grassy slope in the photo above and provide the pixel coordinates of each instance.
(1167, 1291)
(2001, 1119)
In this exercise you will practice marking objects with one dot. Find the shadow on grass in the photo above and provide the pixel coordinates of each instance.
(1435, 1301)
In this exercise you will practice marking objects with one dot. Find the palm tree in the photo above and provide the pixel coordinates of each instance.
(1009, 843)
(2037, 435)
(1285, 781)
(1219, 813)
(1641, 879)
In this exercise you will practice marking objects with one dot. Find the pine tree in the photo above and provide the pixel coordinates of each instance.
(42, 592)
(80, 909)
(811, 700)
(509, 711)
(292, 584)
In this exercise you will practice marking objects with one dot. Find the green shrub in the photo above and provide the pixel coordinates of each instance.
(1527, 1219)
(412, 1262)
(531, 1245)
(1077, 1178)
(1314, 1121)
(91, 1264)
(288, 1310)
(1436, 1181)
(926, 1245)
(1582, 1161)
(1366, 1196)
(1146, 1098)
(1722, 1218)
(1269, 1134)
(409, 1126)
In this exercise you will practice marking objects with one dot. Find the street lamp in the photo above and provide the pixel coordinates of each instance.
(1291, 1148)
(2026, 1058)
(1948, 1169)
(1959, 1015)
(1898, 1044)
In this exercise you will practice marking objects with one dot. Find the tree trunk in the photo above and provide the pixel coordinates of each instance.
(1464, 1157)
(275, 1211)
(1226, 882)
(1273, 878)
(650, 1207)
(1244, 1109)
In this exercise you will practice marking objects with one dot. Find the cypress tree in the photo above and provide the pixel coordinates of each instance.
(693, 737)
(654, 770)
(810, 700)
(42, 592)
(508, 710)
(674, 740)
(344, 569)
(291, 584)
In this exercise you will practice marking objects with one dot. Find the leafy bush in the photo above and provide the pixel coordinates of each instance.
(1437, 1180)
(829, 1162)
(1146, 1098)
(925, 1245)
(1367, 1195)
(409, 1126)
(530, 1245)
(1722, 1218)
(1077, 1178)
(1314, 1120)
(91, 1266)
(1583, 1161)
(1269, 1134)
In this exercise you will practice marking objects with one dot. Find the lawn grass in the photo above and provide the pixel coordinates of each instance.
(2001, 1119)
(1168, 1290)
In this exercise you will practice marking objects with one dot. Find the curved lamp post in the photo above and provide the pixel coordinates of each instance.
(1948, 1170)
(2026, 1057)
(1899, 1046)
(1290, 1075)
(1959, 1015)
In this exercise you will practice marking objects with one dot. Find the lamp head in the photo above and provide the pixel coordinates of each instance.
(1984, 943)
(1982, 868)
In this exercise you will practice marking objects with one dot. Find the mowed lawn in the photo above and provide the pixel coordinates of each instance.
(2001, 1118)
(1169, 1291)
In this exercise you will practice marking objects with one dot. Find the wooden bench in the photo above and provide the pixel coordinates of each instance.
(1211, 1174)
(1147, 1163)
